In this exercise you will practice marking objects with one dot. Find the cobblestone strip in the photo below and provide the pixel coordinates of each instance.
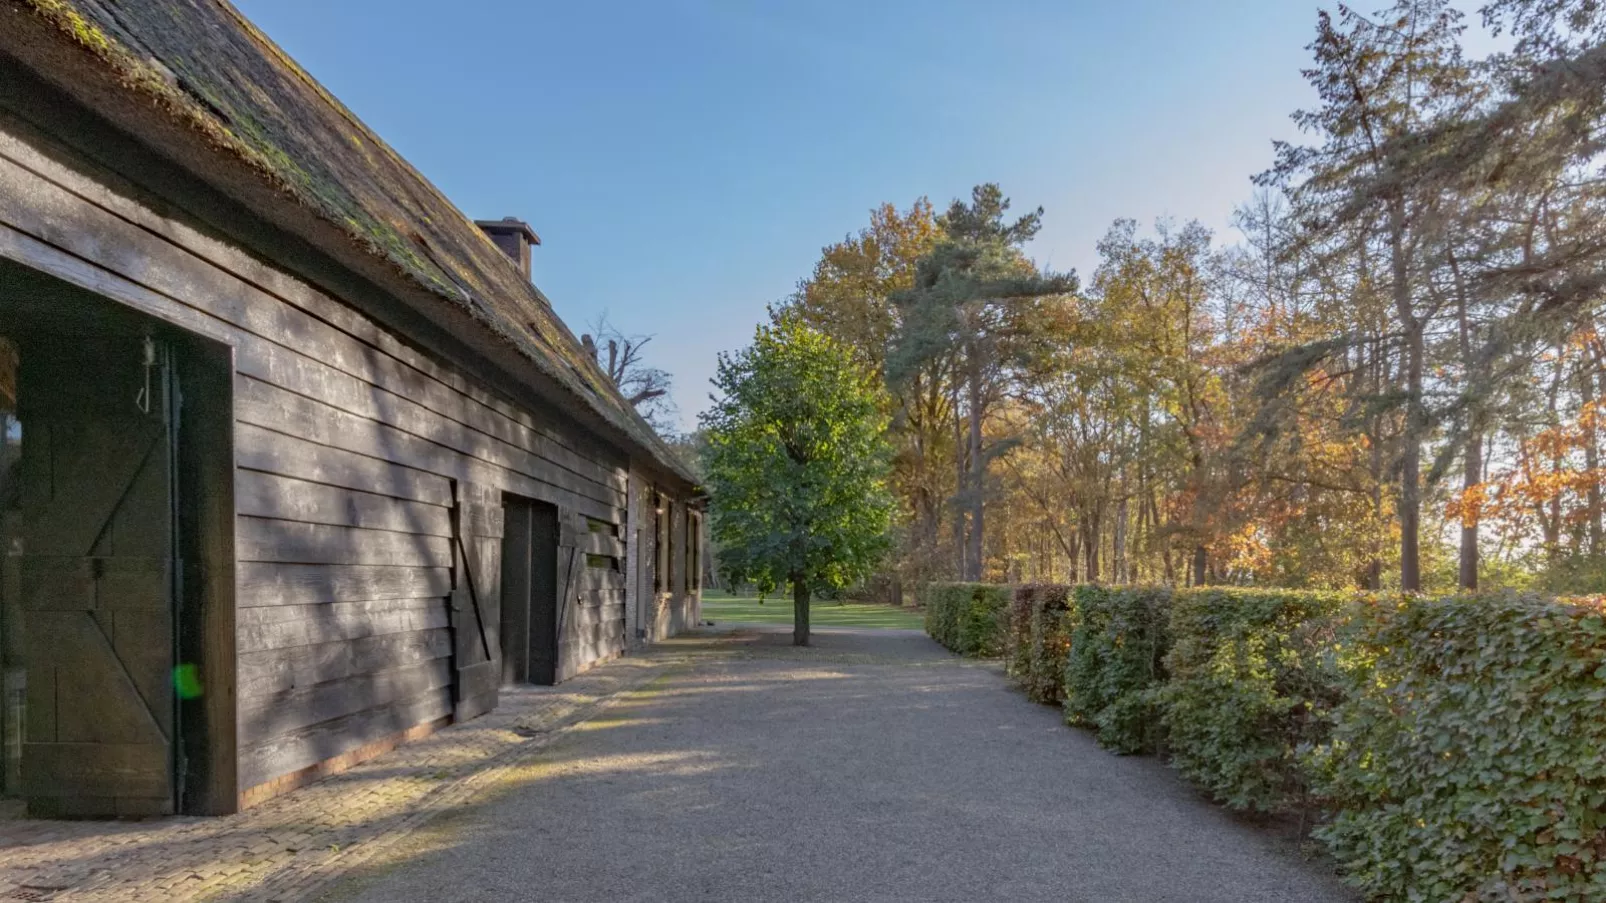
(303, 882)
(291, 846)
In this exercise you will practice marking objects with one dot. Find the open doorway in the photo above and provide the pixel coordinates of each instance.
(100, 646)
(529, 592)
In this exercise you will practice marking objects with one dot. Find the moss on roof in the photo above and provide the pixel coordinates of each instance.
(206, 65)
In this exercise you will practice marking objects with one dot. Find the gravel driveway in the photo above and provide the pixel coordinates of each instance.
(874, 766)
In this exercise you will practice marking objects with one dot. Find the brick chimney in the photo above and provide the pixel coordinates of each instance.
(514, 236)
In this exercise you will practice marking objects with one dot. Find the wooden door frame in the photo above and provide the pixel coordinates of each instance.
(204, 615)
(203, 592)
(546, 626)
(517, 522)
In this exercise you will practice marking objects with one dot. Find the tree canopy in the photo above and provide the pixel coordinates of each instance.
(1390, 377)
(797, 464)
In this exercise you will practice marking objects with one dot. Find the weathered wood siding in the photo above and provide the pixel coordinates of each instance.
(591, 593)
(351, 446)
(670, 602)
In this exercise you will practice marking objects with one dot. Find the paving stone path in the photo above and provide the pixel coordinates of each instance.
(872, 767)
(289, 847)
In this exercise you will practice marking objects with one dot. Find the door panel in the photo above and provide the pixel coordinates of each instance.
(544, 595)
(515, 631)
(529, 592)
(96, 525)
(476, 601)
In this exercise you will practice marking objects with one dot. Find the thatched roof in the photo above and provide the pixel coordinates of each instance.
(247, 107)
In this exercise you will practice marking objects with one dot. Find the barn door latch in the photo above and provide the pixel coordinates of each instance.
(142, 400)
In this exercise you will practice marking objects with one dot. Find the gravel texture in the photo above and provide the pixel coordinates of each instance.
(872, 766)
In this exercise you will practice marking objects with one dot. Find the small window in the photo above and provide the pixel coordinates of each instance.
(602, 526)
(661, 578)
(694, 551)
(602, 562)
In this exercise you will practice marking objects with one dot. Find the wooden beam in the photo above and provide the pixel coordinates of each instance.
(206, 491)
(263, 583)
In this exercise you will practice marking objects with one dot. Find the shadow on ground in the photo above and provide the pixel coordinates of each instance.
(872, 766)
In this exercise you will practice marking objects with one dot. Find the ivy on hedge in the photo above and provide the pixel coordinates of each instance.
(968, 618)
(1119, 637)
(1468, 761)
(1254, 676)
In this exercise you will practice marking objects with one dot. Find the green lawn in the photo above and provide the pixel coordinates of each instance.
(719, 606)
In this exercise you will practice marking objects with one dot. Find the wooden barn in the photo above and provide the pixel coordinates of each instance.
(296, 463)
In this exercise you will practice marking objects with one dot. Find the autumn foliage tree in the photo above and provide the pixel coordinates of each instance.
(1391, 377)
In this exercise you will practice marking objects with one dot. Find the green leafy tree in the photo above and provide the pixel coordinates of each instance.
(849, 298)
(798, 464)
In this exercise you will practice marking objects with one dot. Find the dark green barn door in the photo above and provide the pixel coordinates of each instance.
(529, 592)
(96, 531)
(544, 595)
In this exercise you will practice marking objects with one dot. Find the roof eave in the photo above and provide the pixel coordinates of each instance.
(48, 52)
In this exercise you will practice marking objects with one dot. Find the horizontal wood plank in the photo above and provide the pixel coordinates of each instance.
(96, 769)
(276, 670)
(591, 579)
(265, 717)
(276, 409)
(346, 476)
(271, 583)
(280, 453)
(288, 626)
(400, 402)
(293, 751)
(285, 498)
(293, 542)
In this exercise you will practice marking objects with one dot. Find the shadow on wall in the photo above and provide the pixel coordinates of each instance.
(344, 613)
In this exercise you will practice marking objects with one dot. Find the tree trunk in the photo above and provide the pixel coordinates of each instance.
(978, 475)
(960, 479)
(800, 612)
(1552, 524)
(1471, 476)
(1472, 457)
(1374, 567)
(1090, 543)
(1411, 471)
(1590, 363)
(1415, 415)
(1118, 549)
(1196, 476)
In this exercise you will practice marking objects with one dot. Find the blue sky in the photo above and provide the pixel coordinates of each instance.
(684, 161)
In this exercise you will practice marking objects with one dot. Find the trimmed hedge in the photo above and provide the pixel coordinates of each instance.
(1254, 677)
(968, 618)
(1038, 639)
(1455, 749)
(1018, 636)
(1048, 642)
(1469, 760)
(1117, 652)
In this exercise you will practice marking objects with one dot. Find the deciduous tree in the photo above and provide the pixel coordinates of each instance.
(797, 464)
